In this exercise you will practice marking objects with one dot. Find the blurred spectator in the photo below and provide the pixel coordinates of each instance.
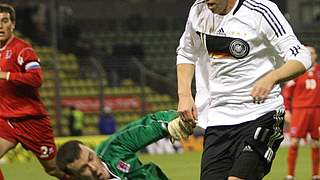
(76, 120)
(107, 122)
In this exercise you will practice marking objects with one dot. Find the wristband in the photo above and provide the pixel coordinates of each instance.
(7, 76)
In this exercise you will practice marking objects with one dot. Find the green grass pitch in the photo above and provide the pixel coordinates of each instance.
(185, 166)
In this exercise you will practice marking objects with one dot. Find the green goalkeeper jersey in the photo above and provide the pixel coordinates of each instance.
(118, 152)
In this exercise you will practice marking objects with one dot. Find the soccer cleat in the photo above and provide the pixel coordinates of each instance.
(289, 177)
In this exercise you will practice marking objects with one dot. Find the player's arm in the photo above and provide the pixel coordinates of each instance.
(287, 93)
(186, 106)
(31, 74)
(188, 53)
(152, 128)
(280, 35)
(32, 77)
(144, 131)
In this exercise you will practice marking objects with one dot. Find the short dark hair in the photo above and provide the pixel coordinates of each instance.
(6, 8)
(68, 153)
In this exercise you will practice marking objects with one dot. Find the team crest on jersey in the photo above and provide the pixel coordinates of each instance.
(8, 54)
(223, 46)
(123, 166)
(239, 48)
(46, 151)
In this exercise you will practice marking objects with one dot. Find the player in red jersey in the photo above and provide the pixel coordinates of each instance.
(302, 101)
(23, 118)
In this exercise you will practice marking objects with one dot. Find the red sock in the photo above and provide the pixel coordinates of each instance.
(315, 161)
(292, 157)
(1, 175)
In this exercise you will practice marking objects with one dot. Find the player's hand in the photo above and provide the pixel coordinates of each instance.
(187, 109)
(179, 129)
(262, 88)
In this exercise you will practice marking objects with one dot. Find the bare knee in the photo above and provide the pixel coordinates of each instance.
(5, 146)
(315, 143)
(294, 142)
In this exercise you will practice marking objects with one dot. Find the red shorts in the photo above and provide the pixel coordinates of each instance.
(303, 121)
(35, 135)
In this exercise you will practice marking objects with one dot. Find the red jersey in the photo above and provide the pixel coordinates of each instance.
(303, 91)
(19, 96)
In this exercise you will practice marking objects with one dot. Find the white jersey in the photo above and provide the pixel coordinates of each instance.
(233, 51)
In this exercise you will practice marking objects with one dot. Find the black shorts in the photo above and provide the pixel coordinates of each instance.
(245, 150)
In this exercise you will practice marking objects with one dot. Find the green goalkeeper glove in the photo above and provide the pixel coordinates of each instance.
(179, 129)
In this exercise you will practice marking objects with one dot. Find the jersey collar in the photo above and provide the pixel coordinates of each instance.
(115, 176)
(8, 42)
(237, 6)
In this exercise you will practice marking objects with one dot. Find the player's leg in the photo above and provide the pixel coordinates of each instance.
(254, 169)
(5, 146)
(36, 135)
(314, 132)
(261, 140)
(298, 130)
(51, 168)
(7, 137)
(292, 156)
(216, 159)
(315, 158)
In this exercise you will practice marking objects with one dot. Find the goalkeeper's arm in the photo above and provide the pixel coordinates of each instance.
(151, 128)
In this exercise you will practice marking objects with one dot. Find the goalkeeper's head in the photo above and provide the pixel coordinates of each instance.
(79, 161)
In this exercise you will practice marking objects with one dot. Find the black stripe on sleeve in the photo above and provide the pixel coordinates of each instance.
(263, 14)
(275, 17)
(268, 15)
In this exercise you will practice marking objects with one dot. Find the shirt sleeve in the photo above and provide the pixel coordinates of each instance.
(145, 131)
(187, 51)
(31, 73)
(279, 33)
(287, 93)
(120, 148)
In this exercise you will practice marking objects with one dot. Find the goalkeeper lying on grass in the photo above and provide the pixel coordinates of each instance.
(115, 157)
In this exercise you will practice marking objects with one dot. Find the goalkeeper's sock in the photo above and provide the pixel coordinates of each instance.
(315, 161)
(292, 157)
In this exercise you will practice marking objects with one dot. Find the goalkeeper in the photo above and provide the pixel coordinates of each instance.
(115, 157)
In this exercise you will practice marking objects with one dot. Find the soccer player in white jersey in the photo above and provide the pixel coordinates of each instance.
(239, 50)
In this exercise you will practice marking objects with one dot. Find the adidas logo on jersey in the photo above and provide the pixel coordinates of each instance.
(247, 148)
(221, 32)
